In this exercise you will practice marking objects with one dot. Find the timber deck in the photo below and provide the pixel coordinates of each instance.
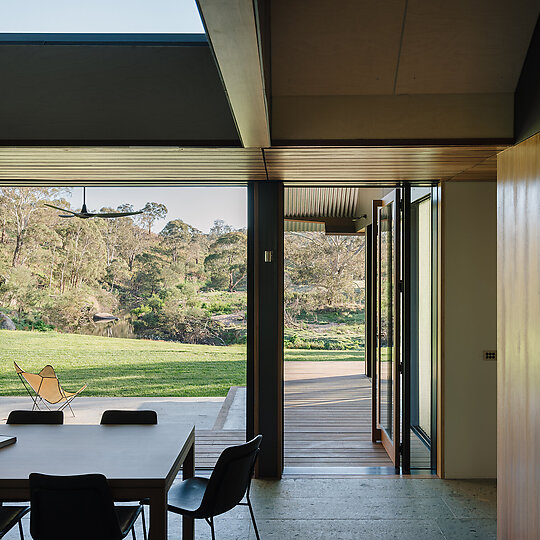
(327, 420)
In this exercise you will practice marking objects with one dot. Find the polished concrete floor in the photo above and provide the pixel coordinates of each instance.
(356, 508)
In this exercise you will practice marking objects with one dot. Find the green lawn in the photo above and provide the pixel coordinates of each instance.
(132, 367)
(323, 355)
(122, 367)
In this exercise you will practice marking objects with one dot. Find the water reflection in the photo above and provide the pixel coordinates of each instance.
(118, 329)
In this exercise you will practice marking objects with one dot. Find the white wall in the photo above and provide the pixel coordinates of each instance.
(469, 326)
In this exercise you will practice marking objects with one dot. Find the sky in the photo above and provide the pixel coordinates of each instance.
(197, 206)
(100, 16)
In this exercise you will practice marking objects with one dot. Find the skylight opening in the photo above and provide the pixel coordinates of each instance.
(100, 17)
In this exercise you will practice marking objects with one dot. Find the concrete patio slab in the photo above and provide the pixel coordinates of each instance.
(201, 411)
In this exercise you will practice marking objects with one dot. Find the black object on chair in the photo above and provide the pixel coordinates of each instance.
(35, 417)
(230, 480)
(129, 417)
(79, 507)
(10, 516)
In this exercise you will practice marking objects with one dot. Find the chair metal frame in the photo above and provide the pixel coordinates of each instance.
(23, 510)
(210, 520)
(204, 502)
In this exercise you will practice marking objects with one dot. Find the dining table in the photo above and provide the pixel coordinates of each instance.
(139, 461)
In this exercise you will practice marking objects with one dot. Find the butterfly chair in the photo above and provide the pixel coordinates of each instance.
(79, 507)
(11, 516)
(47, 389)
(112, 417)
(203, 498)
(35, 417)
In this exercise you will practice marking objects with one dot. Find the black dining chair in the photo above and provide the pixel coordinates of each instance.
(79, 507)
(121, 417)
(35, 417)
(113, 417)
(203, 498)
(11, 516)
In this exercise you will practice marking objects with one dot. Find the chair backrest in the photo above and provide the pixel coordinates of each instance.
(45, 384)
(79, 507)
(230, 478)
(35, 417)
(129, 417)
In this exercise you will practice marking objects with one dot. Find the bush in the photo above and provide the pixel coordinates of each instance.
(219, 308)
(309, 340)
(31, 321)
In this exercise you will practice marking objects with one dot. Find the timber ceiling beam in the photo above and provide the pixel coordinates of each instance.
(231, 27)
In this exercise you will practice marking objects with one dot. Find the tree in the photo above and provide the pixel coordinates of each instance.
(20, 203)
(227, 260)
(109, 228)
(219, 228)
(152, 211)
(131, 238)
(3, 218)
(176, 236)
(180, 239)
(329, 263)
(83, 251)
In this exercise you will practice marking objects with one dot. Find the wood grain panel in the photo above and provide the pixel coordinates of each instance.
(358, 165)
(136, 165)
(518, 313)
(378, 164)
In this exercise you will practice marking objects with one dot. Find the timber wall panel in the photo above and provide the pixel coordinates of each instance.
(518, 312)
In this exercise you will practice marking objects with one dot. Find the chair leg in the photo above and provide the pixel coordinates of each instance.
(210, 522)
(21, 532)
(69, 405)
(144, 525)
(133, 532)
(253, 518)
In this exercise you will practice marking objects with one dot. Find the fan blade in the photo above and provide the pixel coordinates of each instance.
(61, 209)
(116, 214)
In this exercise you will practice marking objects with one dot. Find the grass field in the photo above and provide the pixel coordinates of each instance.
(132, 367)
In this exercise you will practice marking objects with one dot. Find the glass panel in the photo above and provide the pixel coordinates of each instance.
(386, 307)
(424, 316)
(421, 335)
(101, 16)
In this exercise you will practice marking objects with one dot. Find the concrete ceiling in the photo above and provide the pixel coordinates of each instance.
(357, 47)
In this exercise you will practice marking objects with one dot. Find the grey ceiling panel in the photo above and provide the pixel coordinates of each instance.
(114, 92)
(462, 47)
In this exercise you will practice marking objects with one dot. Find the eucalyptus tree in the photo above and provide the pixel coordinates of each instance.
(151, 212)
(227, 261)
(20, 204)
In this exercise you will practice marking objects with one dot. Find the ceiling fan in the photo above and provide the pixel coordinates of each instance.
(85, 214)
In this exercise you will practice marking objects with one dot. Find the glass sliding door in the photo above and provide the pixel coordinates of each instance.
(422, 351)
(388, 325)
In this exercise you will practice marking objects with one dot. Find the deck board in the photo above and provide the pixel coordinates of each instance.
(328, 416)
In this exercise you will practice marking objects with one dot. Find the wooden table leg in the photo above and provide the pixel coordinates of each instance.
(188, 471)
(158, 515)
